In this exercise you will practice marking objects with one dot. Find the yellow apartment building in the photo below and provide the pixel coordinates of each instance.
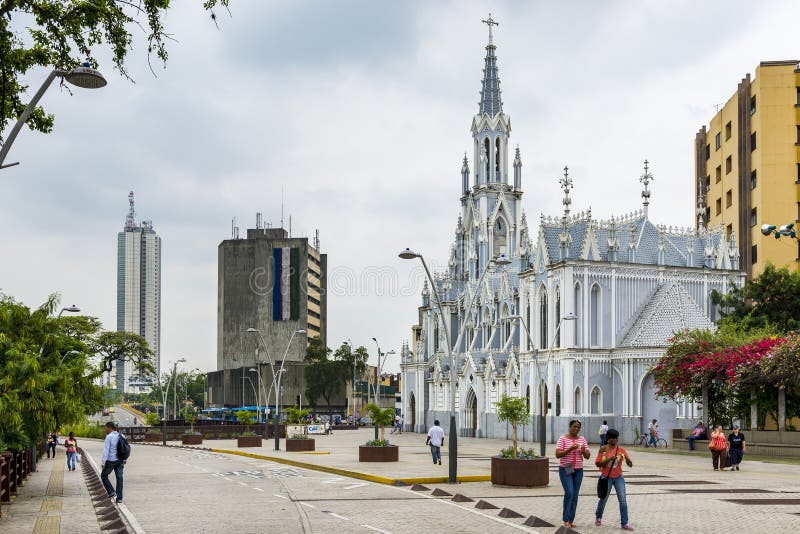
(747, 162)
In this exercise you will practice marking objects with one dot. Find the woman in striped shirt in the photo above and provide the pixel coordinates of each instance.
(571, 449)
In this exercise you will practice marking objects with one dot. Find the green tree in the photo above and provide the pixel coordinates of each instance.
(295, 415)
(513, 410)
(113, 346)
(382, 417)
(190, 416)
(65, 33)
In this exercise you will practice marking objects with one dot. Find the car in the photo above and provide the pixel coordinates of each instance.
(365, 421)
(105, 412)
(111, 410)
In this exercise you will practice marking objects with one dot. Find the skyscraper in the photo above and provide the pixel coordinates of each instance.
(138, 293)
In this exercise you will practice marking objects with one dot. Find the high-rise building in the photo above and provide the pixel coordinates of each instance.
(138, 293)
(275, 284)
(747, 165)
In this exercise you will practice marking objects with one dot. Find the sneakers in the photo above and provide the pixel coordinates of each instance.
(627, 527)
(118, 501)
(597, 522)
(112, 495)
(737, 467)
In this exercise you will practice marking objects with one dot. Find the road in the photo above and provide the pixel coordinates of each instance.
(126, 418)
(176, 490)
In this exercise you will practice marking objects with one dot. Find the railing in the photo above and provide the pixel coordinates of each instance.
(15, 466)
(214, 431)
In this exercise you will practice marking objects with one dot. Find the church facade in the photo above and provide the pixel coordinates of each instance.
(576, 312)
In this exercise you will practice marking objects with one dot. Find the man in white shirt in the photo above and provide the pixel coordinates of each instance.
(110, 462)
(436, 441)
(653, 429)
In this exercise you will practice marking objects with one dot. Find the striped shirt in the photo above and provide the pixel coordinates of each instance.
(573, 457)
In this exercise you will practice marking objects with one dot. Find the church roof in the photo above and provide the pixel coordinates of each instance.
(669, 308)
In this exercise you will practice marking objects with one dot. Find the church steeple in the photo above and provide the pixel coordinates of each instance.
(490, 85)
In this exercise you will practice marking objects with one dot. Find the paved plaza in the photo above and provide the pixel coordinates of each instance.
(170, 490)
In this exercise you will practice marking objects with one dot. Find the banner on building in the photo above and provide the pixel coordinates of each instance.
(286, 284)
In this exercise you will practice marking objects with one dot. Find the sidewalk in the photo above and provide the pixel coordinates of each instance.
(53, 500)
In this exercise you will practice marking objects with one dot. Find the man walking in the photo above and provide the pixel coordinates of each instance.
(436, 441)
(111, 462)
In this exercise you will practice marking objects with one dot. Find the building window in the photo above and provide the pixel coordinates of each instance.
(557, 316)
(752, 105)
(717, 141)
(798, 216)
(728, 232)
(754, 254)
(596, 401)
(718, 206)
(728, 130)
(718, 173)
(753, 180)
(753, 216)
(798, 172)
(798, 250)
(543, 319)
(594, 316)
(798, 103)
(578, 308)
(798, 135)
(728, 198)
(728, 164)
(708, 183)
(708, 151)
(578, 400)
(752, 141)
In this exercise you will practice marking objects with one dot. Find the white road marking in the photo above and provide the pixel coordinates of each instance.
(332, 480)
(337, 516)
(354, 486)
(376, 529)
(258, 489)
(281, 496)
(308, 505)
(228, 479)
(242, 484)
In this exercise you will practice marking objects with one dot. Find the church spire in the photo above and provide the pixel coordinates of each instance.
(490, 85)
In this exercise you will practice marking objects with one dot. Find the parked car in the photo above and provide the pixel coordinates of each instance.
(365, 421)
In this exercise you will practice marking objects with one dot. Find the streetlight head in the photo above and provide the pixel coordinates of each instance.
(301, 331)
(251, 329)
(182, 360)
(391, 352)
(502, 259)
(408, 254)
(514, 317)
(767, 229)
(569, 317)
(86, 77)
(375, 340)
(72, 309)
(252, 370)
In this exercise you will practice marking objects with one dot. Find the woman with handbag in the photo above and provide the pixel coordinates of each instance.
(609, 460)
(571, 449)
(718, 444)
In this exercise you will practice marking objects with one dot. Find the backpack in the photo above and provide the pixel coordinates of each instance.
(123, 448)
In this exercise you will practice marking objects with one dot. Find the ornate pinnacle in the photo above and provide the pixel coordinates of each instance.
(566, 185)
(490, 22)
(646, 178)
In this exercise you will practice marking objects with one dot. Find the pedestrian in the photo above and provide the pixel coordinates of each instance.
(52, 441)
(736, 448)
(111, 462)
(609, 460)
(699, 432)
(436, 436)
(718, 445)
(603, 430)
(396, 424)
(72, 451)
(653, 429)
(571, 449)
(400, 424)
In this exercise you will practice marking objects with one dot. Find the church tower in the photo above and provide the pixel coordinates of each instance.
(491, 211)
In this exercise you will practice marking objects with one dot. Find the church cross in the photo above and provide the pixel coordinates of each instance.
(646, 178)
(490, 22)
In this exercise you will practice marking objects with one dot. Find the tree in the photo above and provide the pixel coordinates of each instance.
(323, 379)
(382, 417)
(123, 347)
(190, 416)
(296, 415)
(513, 410)
(64, 34)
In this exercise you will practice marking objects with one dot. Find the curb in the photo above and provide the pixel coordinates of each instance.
(355, 474)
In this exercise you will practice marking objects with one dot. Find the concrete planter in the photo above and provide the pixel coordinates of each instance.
(514, 472)
(153, 437)
(192, 439)
(248, 441)
(300, 445)
(390, 453)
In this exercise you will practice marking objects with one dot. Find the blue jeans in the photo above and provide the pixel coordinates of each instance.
(653, 441)
(116, 466)
(691, 441)
(619, 486)
(603, 439)
(436, 452)
(572, 486)
(71, 456)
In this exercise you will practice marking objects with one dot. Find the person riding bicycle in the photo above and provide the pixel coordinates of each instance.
(652, 427)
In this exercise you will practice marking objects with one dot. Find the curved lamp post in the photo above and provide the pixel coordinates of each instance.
(83, 76)
(408, 254)
(252, 330)
(278, 391)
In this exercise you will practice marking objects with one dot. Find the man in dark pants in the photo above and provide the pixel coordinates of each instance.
(110, 462)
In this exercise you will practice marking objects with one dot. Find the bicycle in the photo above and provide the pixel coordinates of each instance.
(644, 441)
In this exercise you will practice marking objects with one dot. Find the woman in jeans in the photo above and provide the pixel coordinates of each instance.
(571, 449)
(609, 460)
(72, 450)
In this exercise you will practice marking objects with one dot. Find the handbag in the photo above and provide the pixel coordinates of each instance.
(603, 481)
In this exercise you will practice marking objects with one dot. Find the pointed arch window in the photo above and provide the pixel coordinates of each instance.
(596, 401)
(557, 316)
(499, 237)
(578, 400)
(543, 319)
(487, 327)
(558, 399)
(594, 316)
(435, 334)
(497, 158)
(578, 313)
(487, 147)
(527, 322)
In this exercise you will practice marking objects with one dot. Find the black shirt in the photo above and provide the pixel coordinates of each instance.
(737, 442)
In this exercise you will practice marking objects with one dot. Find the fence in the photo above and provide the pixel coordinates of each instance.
(15, 466)
(215, 431)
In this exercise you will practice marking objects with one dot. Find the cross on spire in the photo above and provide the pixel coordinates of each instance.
(490, 22)
(566, 185)
(646, 178)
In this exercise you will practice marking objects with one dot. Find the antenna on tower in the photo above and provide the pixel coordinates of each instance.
(316, 240)
(281, 206)
(130, 220)
(234, 229)
(290, 226)
(258, 220)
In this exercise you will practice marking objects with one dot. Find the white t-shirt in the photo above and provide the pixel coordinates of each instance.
(652, 427)
(603, 429)
(436, 435)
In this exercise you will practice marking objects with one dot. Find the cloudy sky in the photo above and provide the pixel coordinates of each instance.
(359, 111)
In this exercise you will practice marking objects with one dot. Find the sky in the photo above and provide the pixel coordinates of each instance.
(355, 115)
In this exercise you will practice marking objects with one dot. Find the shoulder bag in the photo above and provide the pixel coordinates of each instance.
(603, 481)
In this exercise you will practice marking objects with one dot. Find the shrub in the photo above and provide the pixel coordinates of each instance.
(87, 429)
(378, 443)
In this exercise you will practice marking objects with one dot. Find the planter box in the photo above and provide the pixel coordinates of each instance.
(192, 439)
(248, 441)
(153, 438)
(300, 445)
(528, 473)
(378, 454)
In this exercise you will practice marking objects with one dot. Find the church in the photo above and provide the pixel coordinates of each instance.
(575, 312)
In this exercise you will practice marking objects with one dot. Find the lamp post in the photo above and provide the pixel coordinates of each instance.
(164, 392)
(261, 388)
(252, 330)
(255, 393)
(83, 76)
(278, 391)
(376, 393)
(409, 254)
(353, 385)
(540, 375)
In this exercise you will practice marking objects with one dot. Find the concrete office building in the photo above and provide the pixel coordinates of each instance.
(276, 284)
(747, 163)
(138, 294)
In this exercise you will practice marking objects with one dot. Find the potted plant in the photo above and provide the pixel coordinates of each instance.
(379, 450)
(513, 466)
(191, 437)
(297, 439)
(247, 438)
(153, 434)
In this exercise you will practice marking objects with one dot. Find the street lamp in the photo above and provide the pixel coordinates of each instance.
(258, 402)
(541, 375)
(278, 391)
(83, 76)
(71, 309)
(262, 388)
(252, 330)
(502, 259)
(68, 353)
(164, 391)
(377, 391)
